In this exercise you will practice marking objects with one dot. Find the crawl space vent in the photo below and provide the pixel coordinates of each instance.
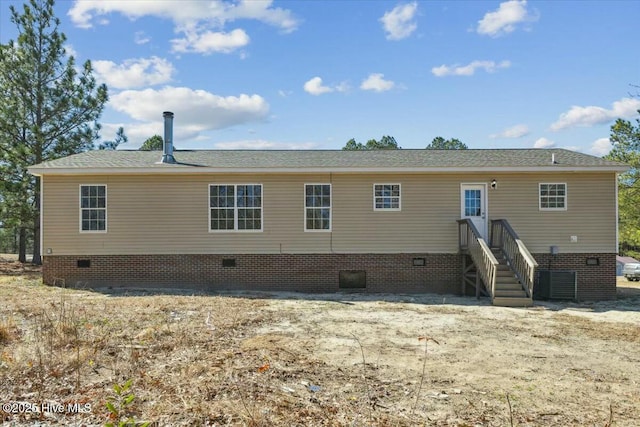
(353, 279)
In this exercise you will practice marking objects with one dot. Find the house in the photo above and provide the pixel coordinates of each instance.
(621, 261)
(403, 221)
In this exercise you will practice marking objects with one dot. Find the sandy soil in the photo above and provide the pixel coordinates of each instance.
(330, 360)
(560, 364)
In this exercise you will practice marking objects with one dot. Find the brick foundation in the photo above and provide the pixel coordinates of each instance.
(395, 273)
(595, 282)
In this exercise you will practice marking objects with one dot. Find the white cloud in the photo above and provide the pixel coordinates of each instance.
(185, 13)
(314, 86)
(469, 69)
(505, 19)
(260, 144)
(399, 22)
(195, 111)
(377, 83)
(516, 131)
(592, 115)
(209, 42)
(600, 147)
(201, 22)
(141, 38)
(342, 87)
(134, 73)
(544, 143)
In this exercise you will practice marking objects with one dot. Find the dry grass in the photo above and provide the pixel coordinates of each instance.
(230, 360)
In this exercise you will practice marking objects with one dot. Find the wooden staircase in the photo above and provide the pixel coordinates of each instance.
(503, 270)
(508, 292)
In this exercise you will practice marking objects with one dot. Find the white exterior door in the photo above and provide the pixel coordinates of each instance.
(473, 205)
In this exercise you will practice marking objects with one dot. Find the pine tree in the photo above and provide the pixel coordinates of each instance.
(49, 109)
(154, 143)
(625, 139)
(386, 143)
(120, 138)
(439, 143)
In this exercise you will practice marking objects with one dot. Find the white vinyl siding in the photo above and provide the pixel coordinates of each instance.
(317, 207)
(93, 208)
(553, 196)
(235, 207)
(386, 197)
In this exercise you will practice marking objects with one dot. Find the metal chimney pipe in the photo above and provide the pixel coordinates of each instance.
(167, 147)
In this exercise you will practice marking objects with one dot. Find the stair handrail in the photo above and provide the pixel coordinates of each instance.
(469, 239)
(518, 256)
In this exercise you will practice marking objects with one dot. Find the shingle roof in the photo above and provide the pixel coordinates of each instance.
(121, 161)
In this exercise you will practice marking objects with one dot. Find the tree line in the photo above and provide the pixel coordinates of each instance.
(389, 143)
(625, 138)
(51, 109)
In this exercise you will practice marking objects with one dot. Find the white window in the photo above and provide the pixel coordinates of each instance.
(317, 207)
(553, 197)
(93, 208)
(235, 207)
(386, 197)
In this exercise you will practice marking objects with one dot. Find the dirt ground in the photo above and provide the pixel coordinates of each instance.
(273, 359)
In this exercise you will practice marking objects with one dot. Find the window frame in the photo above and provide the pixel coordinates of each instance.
(398, 209)
(105, 209)
(566, 197)
(304, 206)
(235, 208)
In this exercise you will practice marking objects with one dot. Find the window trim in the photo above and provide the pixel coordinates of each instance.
(398, 209)
(235, 208)
(81, 209)
(566, 197)
(304, 207)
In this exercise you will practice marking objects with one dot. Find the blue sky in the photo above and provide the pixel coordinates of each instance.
(313, 74)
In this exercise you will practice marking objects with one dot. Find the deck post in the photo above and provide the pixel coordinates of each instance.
(464, 272)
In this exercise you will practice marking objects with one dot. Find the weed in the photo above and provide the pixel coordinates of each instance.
(609, 423)
(120, 406)
(5, 335)
(426, 340)
(364, 377)
(510, 411)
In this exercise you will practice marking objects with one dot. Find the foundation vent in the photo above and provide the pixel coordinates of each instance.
(353, 279)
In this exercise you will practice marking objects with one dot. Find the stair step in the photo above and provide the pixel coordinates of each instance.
(512, 285)
(505, 272)
(512, 302)
(515, 293)
(506, 279)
